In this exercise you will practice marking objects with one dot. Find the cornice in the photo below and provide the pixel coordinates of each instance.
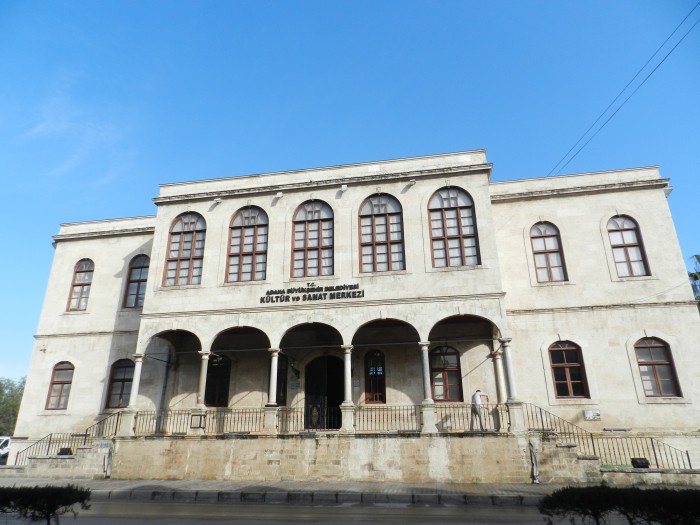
(98, 234)
(295, 307)
(578, 190)
(86, 334)
(304, 185)
(600, 307)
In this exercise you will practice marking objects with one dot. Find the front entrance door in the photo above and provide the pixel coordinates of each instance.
(324, 393)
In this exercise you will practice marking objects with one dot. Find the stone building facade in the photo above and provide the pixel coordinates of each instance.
(370, 300)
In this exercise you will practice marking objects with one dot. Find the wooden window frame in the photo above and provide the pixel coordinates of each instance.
(375, 384)
(255, 253)
(305, 249)
(389, 242)
(79, 302)
(548, 253)
(655, 342)
(625, 247)
(444, 349)
(139, 281)
(563, 346)
(460, 236)
(120, 383)
(63, 396)
(217, 389)
(193, 260)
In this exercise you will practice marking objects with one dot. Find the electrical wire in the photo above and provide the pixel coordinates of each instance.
(622, 91)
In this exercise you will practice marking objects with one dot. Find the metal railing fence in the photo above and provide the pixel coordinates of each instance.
(464, 416)
(383, 418)
(610, 450)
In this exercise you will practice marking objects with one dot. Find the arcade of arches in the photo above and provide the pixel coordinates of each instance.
(319, 380)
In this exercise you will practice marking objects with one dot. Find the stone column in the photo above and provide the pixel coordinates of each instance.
(347, 408)
(515, 406)
(128, 417)
(497, 356)
(138, 365)
(510, 375)
(428, 413)
(272, 388)
(203, 367)
(270, 418)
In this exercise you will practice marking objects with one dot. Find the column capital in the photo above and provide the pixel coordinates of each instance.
(347, 348)
(205, 354)
(505, 341)
(274, 351)
(497, 353)
(138, 358)
(424, 345)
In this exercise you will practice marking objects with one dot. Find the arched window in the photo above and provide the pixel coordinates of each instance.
(313, 240)
(548, 254)
(120, 381)
(61, 380)
(136, 285)
(247, 246)
(656, 367)
(567, 370)
(80, 288)
(453, 228)
(627, 247)
(218, 379)
(445, 374)
(381, 234)
(186, 250)
(375, 379)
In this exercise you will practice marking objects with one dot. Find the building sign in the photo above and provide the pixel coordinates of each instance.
(313, 292)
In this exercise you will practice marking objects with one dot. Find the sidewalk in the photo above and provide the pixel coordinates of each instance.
(307, 493)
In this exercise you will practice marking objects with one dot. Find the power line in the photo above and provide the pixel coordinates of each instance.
(623, 90)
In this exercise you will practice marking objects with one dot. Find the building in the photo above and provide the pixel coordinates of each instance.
(337, 322)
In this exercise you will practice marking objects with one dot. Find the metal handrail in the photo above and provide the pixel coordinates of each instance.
(55, 443)
(610, 450)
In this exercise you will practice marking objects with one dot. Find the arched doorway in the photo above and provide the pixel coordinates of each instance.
(218, 380)
(323, 393)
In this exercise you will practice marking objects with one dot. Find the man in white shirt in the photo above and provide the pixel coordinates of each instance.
(478, 408)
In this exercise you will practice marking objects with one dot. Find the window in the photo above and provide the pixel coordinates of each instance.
(381, 234)
(186, 250)
(120, 383)
(59, 390)
(546, 249)
(454, 240)
(80, 288)
(313, 240)
(568, 371)
(282, 366)
(136, 285)
(627, 248)
(656, 367)
(218, 379)
(247, 247)
(375, 381)
(445, 374)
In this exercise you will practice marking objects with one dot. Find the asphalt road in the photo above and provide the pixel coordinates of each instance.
(171, 513)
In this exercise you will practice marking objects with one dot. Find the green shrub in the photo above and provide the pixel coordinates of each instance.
(43, 503)
(594, 505)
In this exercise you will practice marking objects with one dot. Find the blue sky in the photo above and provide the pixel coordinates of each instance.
(102, 101)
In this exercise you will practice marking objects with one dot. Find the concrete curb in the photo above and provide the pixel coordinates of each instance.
(314, 498)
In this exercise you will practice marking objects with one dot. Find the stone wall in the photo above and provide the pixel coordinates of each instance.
(318, 457)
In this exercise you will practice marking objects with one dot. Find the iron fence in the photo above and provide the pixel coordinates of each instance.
(383, 418)
(610, 450)
(151, 423)
(225, 421)
(62, 444)
(464, 416)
